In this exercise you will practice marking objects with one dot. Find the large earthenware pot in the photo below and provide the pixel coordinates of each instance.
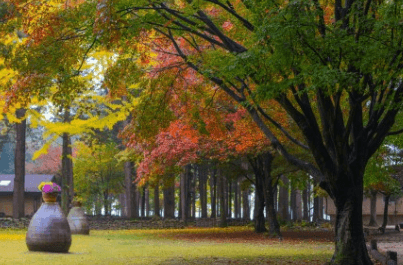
(78, 221)
(49, 197)
(49, 230)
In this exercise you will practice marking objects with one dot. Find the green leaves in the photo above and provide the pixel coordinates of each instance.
(97, 171)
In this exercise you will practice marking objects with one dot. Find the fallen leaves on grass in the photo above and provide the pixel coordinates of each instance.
(246, 235)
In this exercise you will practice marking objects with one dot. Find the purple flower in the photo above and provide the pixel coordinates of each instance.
(49, 187)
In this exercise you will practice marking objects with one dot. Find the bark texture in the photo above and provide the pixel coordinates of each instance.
(265, 190)
(169, 199)
(157, 200)
(372, 220)
(19, 164)
(130, 207)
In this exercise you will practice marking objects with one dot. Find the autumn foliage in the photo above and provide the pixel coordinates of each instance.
(49, 163)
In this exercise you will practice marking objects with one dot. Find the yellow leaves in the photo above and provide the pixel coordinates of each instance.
(9, 236)
(8, 39)
(6, 75)
(44, 149)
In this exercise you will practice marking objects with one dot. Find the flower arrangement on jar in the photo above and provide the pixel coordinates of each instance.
(49, 191)
(49, 229)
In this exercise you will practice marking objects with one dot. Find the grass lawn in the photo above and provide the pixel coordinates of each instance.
(237, 245)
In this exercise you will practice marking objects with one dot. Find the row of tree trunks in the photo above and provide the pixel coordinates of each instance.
(292, 205)
(296, 205)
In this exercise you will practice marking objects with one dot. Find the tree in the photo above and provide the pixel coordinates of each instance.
(379, 178)
(317, 60)
(19, 164)
(98, 174)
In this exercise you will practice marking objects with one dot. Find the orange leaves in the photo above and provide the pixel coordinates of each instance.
(177, 130)
(49, 163)
(20, 93)
(329, 14)
(175, 146)
(227, 26)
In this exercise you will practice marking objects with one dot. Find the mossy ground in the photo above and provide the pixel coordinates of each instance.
(237, 245)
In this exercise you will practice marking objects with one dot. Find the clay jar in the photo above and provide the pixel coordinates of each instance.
(49, 230)
(78, 220)
(49, 197)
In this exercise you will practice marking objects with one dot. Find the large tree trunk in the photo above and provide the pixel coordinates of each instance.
(372, 220)
(157, 200)
(192, 193)
(245, 204)
(316, 206)
(65, 174)
(67, 167)
(98, 205)
(298, 203)
(169, 199)
(265, 190)
(147, 198)
(19, 165)
(70, 168)
(385, 213)
(131, 205)
(259, 219)
(213, 193)
(293, 203)
(236, 200)
(202, 170)
(229, 197)
(350, 246)
(223, 205)
(305, 215)
(274, 226)
(143, 202)
(260, 225)
(106, 203)
(283, 202)
(130, 209)
(184, 193)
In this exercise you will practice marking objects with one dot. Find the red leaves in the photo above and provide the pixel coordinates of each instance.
(227, 26)
(46, 164)
(177, 146)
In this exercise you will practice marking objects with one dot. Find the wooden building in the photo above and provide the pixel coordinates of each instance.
(395, 210)
(33, 197)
